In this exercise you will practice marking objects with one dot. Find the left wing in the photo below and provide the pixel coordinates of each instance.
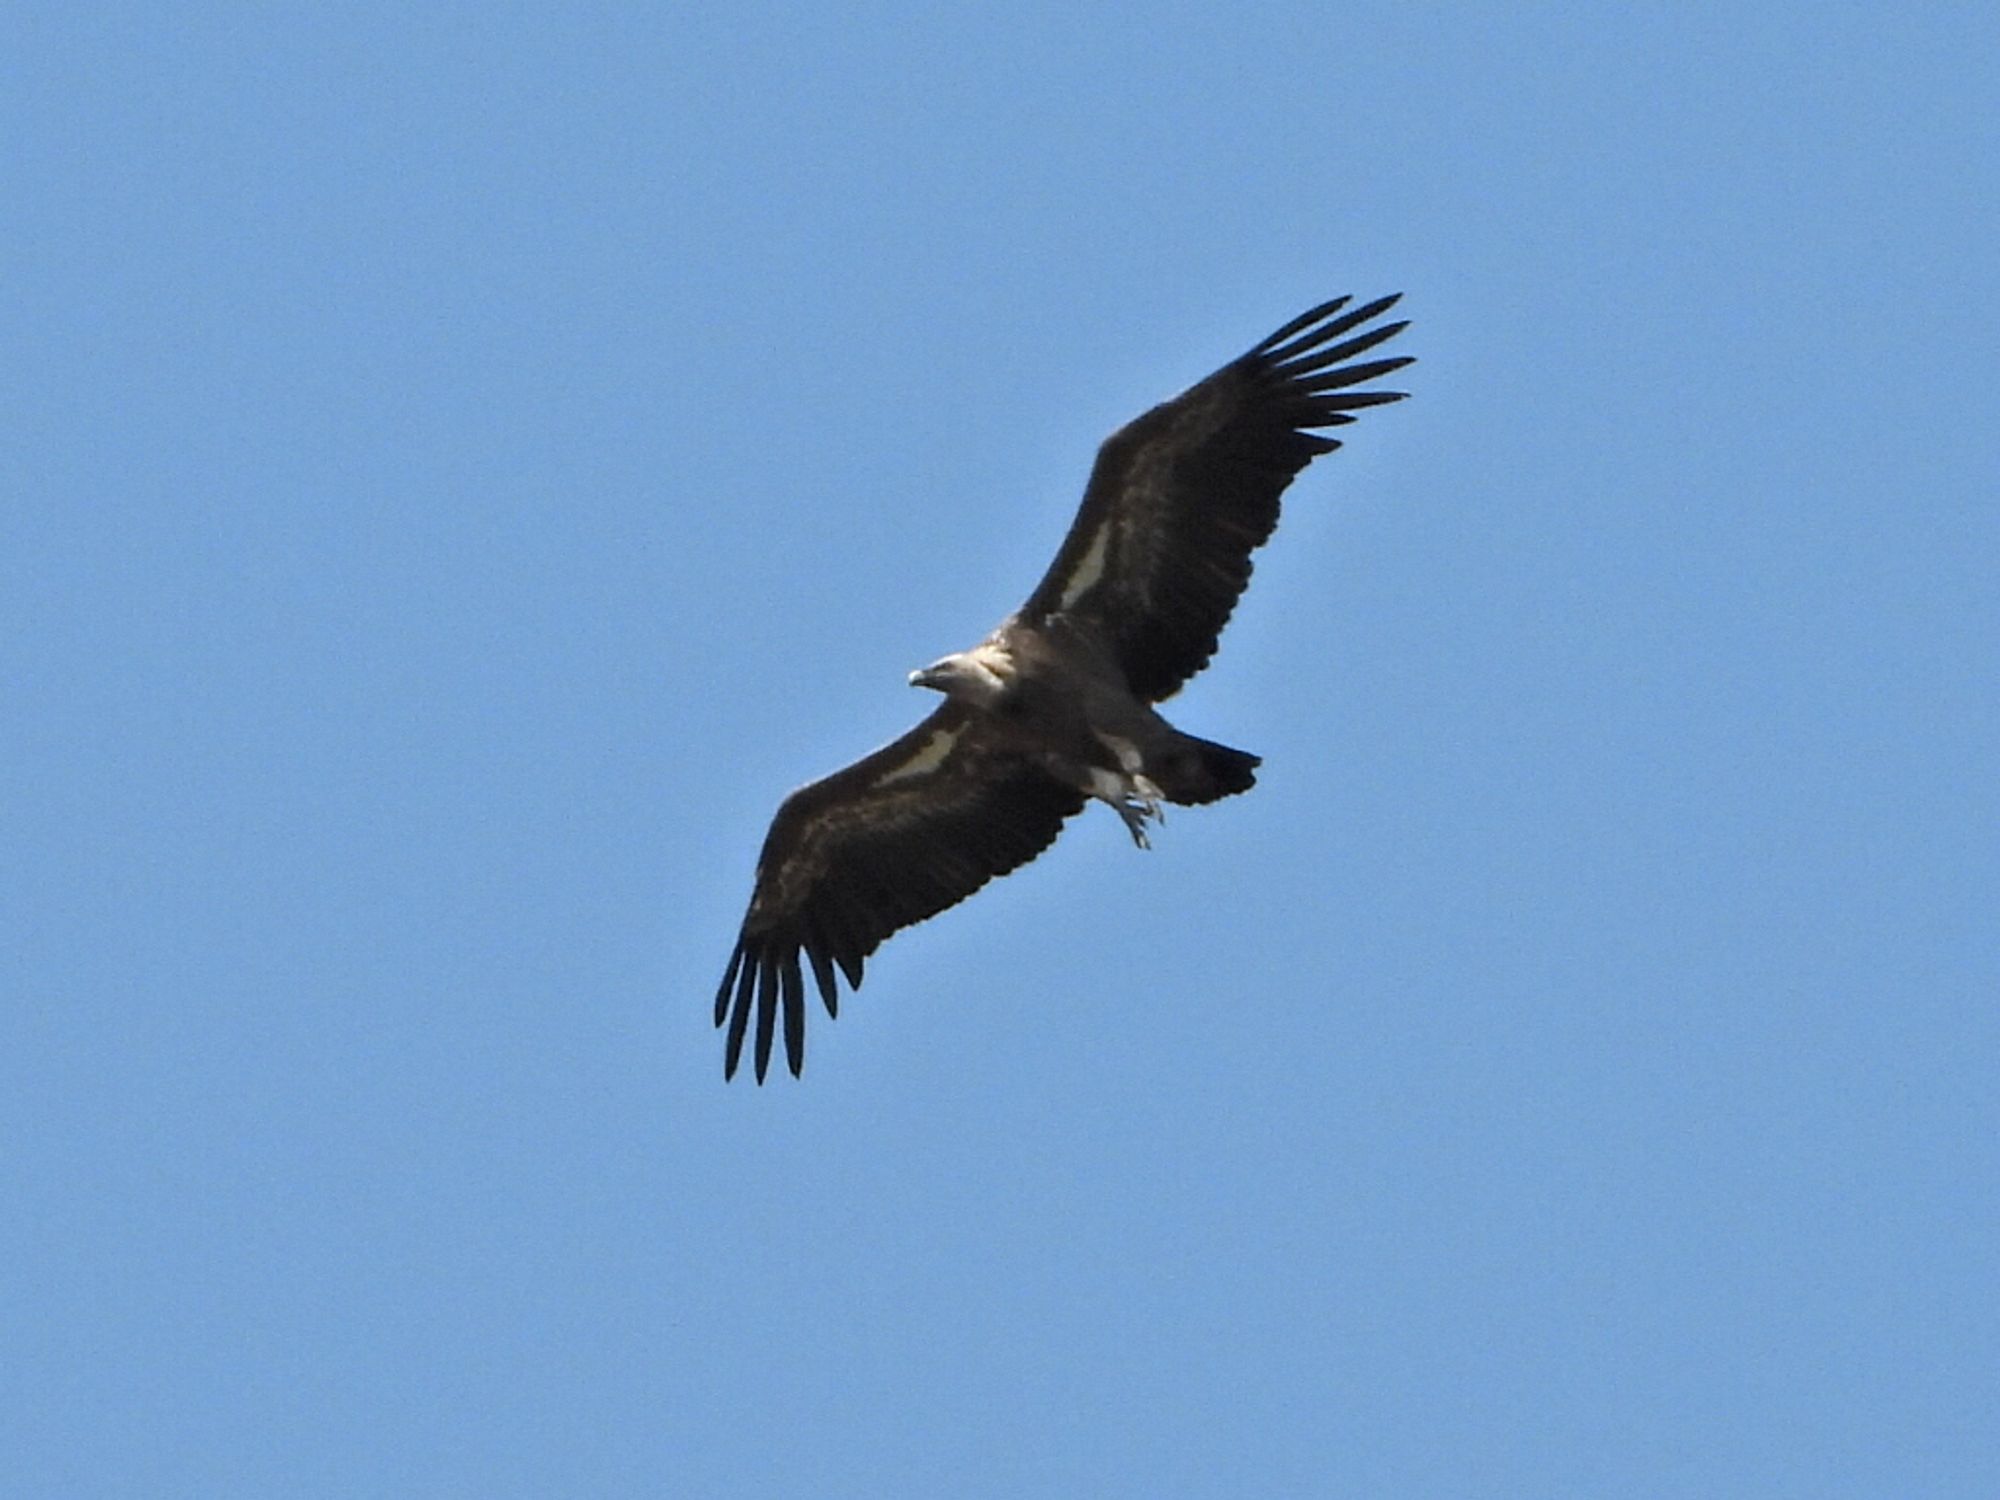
(1179, 499)
(894, 838)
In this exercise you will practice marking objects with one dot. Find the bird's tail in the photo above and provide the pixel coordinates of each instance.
(1206, 772)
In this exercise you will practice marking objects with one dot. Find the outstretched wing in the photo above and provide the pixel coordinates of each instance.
(896, 837)
(1179, 499)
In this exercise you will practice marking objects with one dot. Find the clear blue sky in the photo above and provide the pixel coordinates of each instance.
(463, 465)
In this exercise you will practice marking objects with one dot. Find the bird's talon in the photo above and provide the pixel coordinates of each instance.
(1135, 814)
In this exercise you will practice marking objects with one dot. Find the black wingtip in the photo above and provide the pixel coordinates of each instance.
(765, 981)
(851, 964)
(739, 1017)
(829, 989)
(795, 1012)
(1324, 357)
(1343, 376)
(1302, 321)
(728, 984)
(1312, 332)
(767, 1009)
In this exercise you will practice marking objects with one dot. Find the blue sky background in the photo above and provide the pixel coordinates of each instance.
(463, 467)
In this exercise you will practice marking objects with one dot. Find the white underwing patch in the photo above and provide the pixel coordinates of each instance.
(930, 755)
(1084, 579)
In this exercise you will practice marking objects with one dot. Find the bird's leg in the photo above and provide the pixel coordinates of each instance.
(1150, 794)
(1135, 814)
(1130, 794)
(1129, 789)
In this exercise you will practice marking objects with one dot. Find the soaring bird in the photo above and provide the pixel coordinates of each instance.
(1055, 707)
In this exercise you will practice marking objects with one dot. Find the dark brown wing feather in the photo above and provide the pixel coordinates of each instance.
(896, 837)
(1180, 498)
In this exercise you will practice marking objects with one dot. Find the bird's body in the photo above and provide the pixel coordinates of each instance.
(1056, 706)
(1054, 695)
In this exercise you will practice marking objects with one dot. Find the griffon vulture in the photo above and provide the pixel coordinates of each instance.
(1056, 705)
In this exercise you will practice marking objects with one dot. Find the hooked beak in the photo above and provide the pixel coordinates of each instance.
(922, 678)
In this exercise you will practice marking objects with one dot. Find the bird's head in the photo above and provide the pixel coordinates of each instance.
(962, 675)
